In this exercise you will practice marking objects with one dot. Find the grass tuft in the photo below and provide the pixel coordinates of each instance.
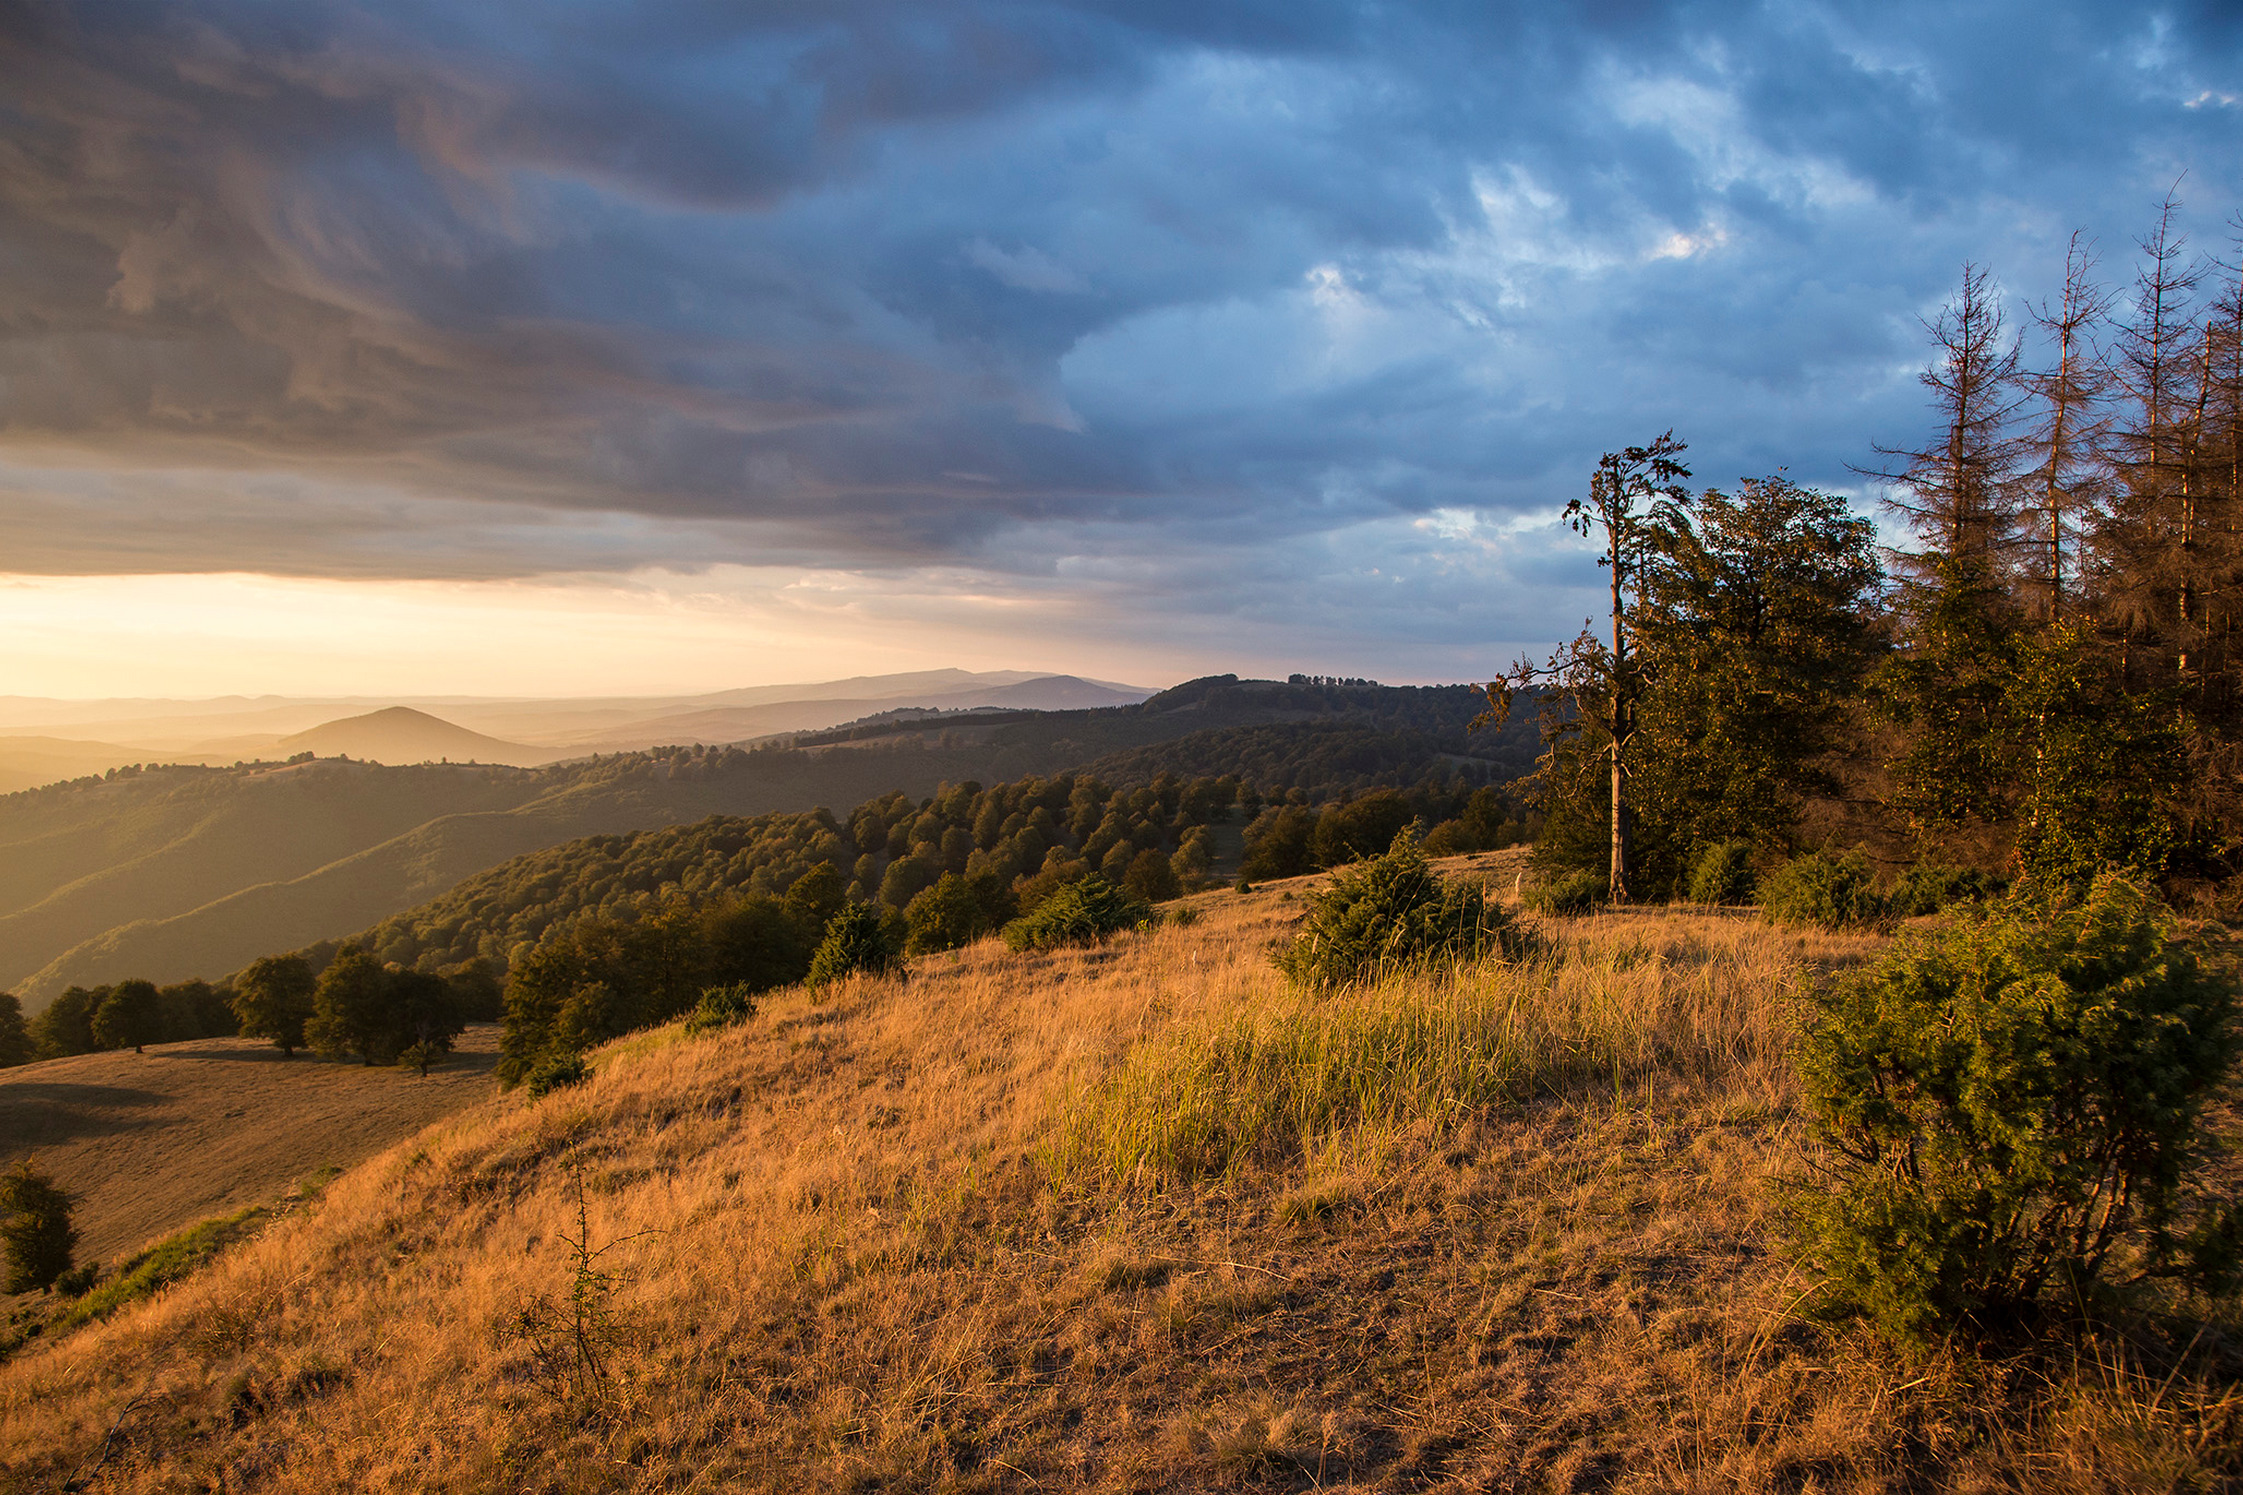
(1263, 1084)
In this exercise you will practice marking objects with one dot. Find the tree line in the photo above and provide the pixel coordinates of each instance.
(354, 1006)
(2042, 681)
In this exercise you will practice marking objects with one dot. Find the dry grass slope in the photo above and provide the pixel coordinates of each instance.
(1125, 1218)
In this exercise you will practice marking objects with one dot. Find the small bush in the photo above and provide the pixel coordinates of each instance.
(36, 1233)
(1722, 873)
(1183, 915)
(856, 939)
(1077, 914)
(2015, 1105)
(1928, 887)
(1832, 892)
(1393, 912)
(721, 1007)
(1574, 893)
(554, 1072)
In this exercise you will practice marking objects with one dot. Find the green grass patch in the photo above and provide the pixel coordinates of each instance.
(165, 1262)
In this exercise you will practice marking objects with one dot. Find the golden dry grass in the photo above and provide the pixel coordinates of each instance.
(1493, 1229)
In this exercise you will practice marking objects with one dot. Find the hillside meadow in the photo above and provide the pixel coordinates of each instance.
(1128, 1217)
(150, 1143)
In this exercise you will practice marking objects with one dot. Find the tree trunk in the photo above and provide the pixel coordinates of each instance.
(1617, 892)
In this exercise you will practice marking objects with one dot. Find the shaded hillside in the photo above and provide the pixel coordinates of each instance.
(176, 872)
(727, 722)
(156, 1141)
(399, 734)
(78, 859)
(1040, 742)
(222, 928)
(1099, 1219)
(1321, 759)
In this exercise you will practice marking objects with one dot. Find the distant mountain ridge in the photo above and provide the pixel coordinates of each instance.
(42, 742)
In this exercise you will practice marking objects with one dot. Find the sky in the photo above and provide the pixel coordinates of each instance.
(571, 347)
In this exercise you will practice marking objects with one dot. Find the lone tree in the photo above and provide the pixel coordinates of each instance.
(1636, 500)
(273, 999)
(350, 1010)
(130, 1017)
(15, 1034)
(36, 1235)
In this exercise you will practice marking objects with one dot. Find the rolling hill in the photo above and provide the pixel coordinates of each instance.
(29, 761)
(399, 734)
(175, 872)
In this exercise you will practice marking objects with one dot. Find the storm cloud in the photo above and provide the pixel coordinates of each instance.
(1224, 309)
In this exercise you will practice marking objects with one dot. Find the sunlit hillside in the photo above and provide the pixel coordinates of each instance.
(1126, 1217)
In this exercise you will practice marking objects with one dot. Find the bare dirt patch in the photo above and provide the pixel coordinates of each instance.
(150, 1143)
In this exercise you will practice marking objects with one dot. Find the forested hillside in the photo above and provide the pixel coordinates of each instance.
(1009, 842)
(606, 933)
(173, 872)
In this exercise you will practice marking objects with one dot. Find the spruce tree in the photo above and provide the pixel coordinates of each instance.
(1957, 629)
(2157, 545)
(2067, 483)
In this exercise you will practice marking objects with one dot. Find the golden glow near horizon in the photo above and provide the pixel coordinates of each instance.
(646, 633)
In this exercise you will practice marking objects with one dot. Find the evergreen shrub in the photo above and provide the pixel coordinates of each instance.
(1928, 887)
(856, 939)
(554, 1072)
(1823, 889)
(722, 1007)
(1077, 914)
(1573, 893)
(2014, 1104)
(1392, 912)
(1722, 873)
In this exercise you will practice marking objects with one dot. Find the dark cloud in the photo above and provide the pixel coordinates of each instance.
(1192, 290)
